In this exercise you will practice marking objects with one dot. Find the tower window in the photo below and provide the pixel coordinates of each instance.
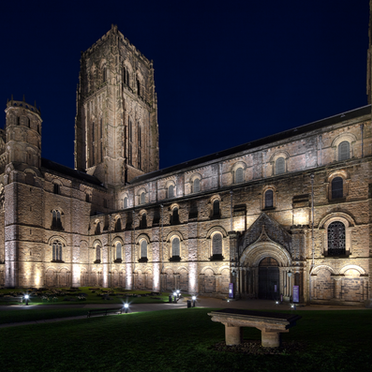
(217, 247)
(56, 188)
(143, 223)
(118, 253)
(57, 251)
(175, 250)
(125, 202)
(337, 188)
(280, 165)
(56, 220)
(143, 198)
(175, 219)
(196, 186)
(336, 239)
(118, 225)
(344, 150)
(216, 209)
(143, 252)
(98, 254)
(269, 199)
(171, 191)
(239, 175)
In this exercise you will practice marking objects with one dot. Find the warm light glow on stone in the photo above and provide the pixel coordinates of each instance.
(239, 223)
(301, 217)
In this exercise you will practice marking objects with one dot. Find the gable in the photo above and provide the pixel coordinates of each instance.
(263, 229)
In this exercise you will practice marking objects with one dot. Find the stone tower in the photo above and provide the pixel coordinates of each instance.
(369, 56)
(22, 194)
(116, 129)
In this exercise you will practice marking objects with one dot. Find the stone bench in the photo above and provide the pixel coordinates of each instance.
(270, 324)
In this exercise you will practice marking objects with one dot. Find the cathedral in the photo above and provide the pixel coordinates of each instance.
(286, 217)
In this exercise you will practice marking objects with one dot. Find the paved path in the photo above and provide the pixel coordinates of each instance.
(201, 302)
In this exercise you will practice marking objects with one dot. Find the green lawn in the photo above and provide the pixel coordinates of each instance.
(181, 340)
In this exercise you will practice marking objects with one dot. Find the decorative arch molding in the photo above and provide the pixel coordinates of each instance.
(215, 229)
(316, 269)
(361, 271)
(117, 239)
(97, 242)
(214, 198)
(279, 154)
(194, 176)
(338, 173)
(222, 268)
(143, 237)
(174, 205)
(28, 170)
(57, 237)
(141, 190)
(172, 234)
(170, 182)
(207, 268)
(347, 136)
(347, 219)
(180, 268)
(256, 252)
(83, 244)
(238, 164)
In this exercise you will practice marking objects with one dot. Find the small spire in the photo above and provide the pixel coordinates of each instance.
(24, 99)
(35, 103)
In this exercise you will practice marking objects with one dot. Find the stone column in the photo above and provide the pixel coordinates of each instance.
(337, 286)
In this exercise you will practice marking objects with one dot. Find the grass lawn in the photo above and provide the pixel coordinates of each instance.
(181, 340)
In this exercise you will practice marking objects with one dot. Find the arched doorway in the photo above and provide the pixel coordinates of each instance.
(268, 279)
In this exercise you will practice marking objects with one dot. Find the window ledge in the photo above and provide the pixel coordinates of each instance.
(58, 261)
(337, 200)
(143, 259)
(346, 254)
(216, 257)
(97, 261)
(268, 208)
(175, 259)
(118, 260)
(216, 217)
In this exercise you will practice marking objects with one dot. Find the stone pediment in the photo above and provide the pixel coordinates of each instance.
(265, 229)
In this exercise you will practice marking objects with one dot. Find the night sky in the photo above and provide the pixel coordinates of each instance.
(226, 72)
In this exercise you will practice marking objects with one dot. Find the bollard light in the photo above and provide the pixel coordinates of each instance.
(27, 298)
(126, 307)
(277, 302)
(175, 297)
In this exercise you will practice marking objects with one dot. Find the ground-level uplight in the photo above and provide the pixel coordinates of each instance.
(193, 300)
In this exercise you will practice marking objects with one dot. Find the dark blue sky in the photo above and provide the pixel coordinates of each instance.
(226, 72)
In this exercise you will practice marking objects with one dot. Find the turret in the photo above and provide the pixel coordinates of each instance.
(23, 135)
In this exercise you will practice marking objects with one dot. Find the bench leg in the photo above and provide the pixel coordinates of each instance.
(270, 338)
(233, 335)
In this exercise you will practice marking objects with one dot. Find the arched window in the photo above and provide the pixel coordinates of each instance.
(118, 225)
(125, 76)
(118, 252)
(269, 199)
(104, 74)
(143, 252)
(344, 150)
(143, 222)
(337, 188)
(125, 202)
(56, 188)
(57, 251)
(56, 220)
(143, 198)
(216, 247)
(196, 185)
(175, 247)
(175, 219)
(98, 254)
(239, 175)
(280, 165)
(98, 229)
(171, 191)
(216, 209)
(336, 239)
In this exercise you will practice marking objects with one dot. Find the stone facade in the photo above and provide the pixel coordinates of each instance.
(279, 216)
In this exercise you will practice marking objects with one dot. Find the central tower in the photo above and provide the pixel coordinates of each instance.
(116, 128)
